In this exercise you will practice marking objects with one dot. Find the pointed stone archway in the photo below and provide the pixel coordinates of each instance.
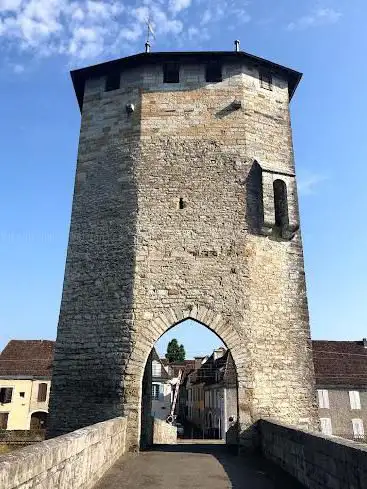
(143, 345)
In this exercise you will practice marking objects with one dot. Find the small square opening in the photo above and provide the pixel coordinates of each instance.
(213, 72)
(112, 81)
(266, 80)
(171, 73)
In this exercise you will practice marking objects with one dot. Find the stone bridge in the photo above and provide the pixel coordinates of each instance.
(95, 457)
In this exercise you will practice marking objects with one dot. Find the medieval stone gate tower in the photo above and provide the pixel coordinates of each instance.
(185, 206)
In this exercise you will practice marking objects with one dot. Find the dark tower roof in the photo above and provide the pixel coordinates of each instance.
(81, 75)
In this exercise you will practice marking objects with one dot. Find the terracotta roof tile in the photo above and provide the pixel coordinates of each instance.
(340, 363)
(31, 358)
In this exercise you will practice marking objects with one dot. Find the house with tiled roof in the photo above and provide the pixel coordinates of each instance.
(341, 382)
(25, 380)
(212, 395)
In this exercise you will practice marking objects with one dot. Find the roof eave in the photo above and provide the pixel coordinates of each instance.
(79, 76)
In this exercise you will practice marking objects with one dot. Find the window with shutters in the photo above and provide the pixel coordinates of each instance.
(358, 428)
(4, 421)
(42, 392)
(266, 80)
(155, 392)
(355, 400)
(326, 427)
(323, 395)
(156, 369)
(6, 395)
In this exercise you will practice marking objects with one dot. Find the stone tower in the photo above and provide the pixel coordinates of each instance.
(185, 206)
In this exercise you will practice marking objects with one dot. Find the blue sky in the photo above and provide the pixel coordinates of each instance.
(40, 40)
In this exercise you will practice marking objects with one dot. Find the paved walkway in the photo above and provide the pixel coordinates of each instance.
(193, 467)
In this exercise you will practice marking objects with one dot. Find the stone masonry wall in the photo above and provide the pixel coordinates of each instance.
(73, 461)
(138, 263)
(164, 433)
(317, 461)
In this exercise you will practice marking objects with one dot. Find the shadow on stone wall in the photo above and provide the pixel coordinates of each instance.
(95, 326)
(254, 200)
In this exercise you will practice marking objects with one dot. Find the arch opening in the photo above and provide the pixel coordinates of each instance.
(190, 382)
(38, 420)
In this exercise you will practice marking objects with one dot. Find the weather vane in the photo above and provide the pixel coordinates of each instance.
(150, 32)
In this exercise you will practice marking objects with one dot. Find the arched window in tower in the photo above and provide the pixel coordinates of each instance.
(280, 204)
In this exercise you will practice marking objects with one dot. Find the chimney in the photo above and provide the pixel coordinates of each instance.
(364, 342)
(147, 47)
(237, 46)
(198, 362)
(218, 353)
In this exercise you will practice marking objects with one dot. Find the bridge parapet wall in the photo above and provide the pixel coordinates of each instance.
(317, 461)
(164, 433)
(73, 461)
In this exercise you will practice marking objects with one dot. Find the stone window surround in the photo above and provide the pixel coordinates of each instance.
(269, 176)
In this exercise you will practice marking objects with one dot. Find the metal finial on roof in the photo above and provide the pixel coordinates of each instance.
(237, 46)
(150, 32)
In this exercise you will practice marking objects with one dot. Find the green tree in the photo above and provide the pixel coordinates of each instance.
(175, 352)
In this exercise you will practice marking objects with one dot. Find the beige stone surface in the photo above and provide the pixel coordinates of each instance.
(73, 461)
(164, 433)
(317, 461)
(138, 264)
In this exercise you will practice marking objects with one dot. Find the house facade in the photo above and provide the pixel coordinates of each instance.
(341, 383)
(212, 396)
(162, 391)
(25, 380)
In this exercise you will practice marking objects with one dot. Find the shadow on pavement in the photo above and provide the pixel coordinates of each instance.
(243, 471)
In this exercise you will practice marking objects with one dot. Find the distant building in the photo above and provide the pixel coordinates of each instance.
(341, 382)
(162, 391)
(212, 395)
(25, 379)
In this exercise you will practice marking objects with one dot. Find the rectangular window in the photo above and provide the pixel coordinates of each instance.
(155, 392)
(112, 81)
(326, 427)
(6, 394)
(266, 80)
(4, 421)
(42, 392)
(358, 428)
(213, 72)
(171, 73)
(323, 398)
(156, 369)
(355, 400)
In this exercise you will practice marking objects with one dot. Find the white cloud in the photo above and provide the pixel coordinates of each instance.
(98, 29)
(178, 5)
(9, 5)
(321, 16)
(308, 183)
(18, 68)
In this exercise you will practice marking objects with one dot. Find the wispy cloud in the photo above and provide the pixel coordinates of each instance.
(308, 183)
(97, 29)
(319, 17)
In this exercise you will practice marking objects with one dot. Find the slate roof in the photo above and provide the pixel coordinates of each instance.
(340, 363)
(187, 366)
(225, 367)
(27, 358)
